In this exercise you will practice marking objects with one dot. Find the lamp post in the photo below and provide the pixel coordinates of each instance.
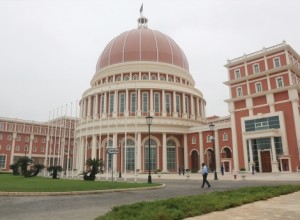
(149, 122)
(120, 172)
(212, 128)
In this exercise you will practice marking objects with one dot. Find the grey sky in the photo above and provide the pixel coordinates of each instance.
(49, 49)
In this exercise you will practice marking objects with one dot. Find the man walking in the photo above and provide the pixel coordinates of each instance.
(204, 175)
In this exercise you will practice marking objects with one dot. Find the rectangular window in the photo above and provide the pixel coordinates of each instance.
(111, 103)
(19, 128)
(168, 103)
(133, 102)
(42, 149)
(2, 126)
(237, 73)
(262, 123)
(145, 102)
(2, 161)
(178, 103)
(156, 102)
(276, 62)
(225, 137)
(186, 100)
(171, 158)
(11, 127)
(122, 102)
(258, 87)
(239, 91)
(102, 103)
(279, 82)
(255, 68)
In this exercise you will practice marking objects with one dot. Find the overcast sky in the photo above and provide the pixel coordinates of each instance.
(49, 49)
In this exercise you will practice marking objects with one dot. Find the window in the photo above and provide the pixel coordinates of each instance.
(36, 130)
(8, 147)
(2, 126)
(279, 82)
(9, 137)
(193, 140)
(145, 77)
(162, 78)
(153, 152)
(111, 103)
(186, 104)
(34, 149)
(178, 103)
(10, 127)
(42, 149)
(27, 139)
(17, 148)
(168, 103)
(126, 78)
(145, 102)
(133, 102)
(2, 161)
(43, 131)
(18, 138)
(225, 137)
(262, 123)
(256, 68)
(26, 148)
(130, 155)
(27, 129)
(156, 102)
(0, 137)
(43, 140)
(35, 139)
(171, 155)
(258, 87)
(19, 128)
(102, 103)
(153, 77)
(239, 91)
(118, 78)
(170, 79)
(122, 102)
(237, 73)
(276, 62)
(135, 77)
(208, 138)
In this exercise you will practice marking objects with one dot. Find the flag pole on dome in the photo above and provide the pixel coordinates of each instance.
(141, 10)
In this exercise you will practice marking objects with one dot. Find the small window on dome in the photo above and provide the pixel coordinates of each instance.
(153, 77)
(111, 79)
(135, 77)
(119, 78)
(126, 78)
(170, 79)
(145, 77)
(162, 78)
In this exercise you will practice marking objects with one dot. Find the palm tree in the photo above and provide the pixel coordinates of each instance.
(54, 171)
(95, 165)
(24, 162)
(37, 168)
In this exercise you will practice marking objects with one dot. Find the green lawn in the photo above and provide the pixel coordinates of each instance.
(189, 206)
(10, 183)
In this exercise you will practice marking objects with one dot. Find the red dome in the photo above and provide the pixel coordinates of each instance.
(142, 44)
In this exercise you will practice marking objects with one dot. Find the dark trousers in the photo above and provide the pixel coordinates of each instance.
(205, 180)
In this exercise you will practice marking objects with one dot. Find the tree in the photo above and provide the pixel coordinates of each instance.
(15, 168)
(24, 162)
(54, 170)
(94, 167)
(37, 168)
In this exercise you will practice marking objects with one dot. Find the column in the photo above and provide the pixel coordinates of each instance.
(201, 149)
(184, 113)
(151, 102)
(197, 108)
(186, 164)
(175, 113)
(89, 107)
(164, 153)
(139, 103)
(96, 106)
(12, 152)
(138, 151)
(192, 107)
(127, 102)
(116, 110)
(84, 107)
(94, 145)
(274, 161)
(30, 145)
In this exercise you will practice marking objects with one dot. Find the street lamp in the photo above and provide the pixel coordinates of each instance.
(212, 128)
(149, 122)
(120, 172)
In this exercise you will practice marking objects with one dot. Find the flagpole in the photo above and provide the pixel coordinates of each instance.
(100, 129)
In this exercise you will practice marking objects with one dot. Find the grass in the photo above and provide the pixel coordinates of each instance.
(189, 206)
(10, 183)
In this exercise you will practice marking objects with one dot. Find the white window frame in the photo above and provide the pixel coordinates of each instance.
(122, 102)
(258, 87)
(225, 136)
(168, 102)
(145, 96)
(237, 73)
(276, 62)
(157, 102)
(256, 68)
(193, 140)
(239, 91)
(133, 102)
(279, 82)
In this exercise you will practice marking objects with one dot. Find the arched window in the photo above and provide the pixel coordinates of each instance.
(153, 77)
(126, 78)
(27, 139)
(153, 155)
(130, 155)
(118, 78)
(136, 77)
(171, 155)
(145, 77)
(109, 144)
(17, 148)
(170, 79)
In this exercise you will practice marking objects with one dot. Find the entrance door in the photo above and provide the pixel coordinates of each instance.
(266, 161)
(195, 162)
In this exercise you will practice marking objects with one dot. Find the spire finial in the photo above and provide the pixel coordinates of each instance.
(142, 21)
